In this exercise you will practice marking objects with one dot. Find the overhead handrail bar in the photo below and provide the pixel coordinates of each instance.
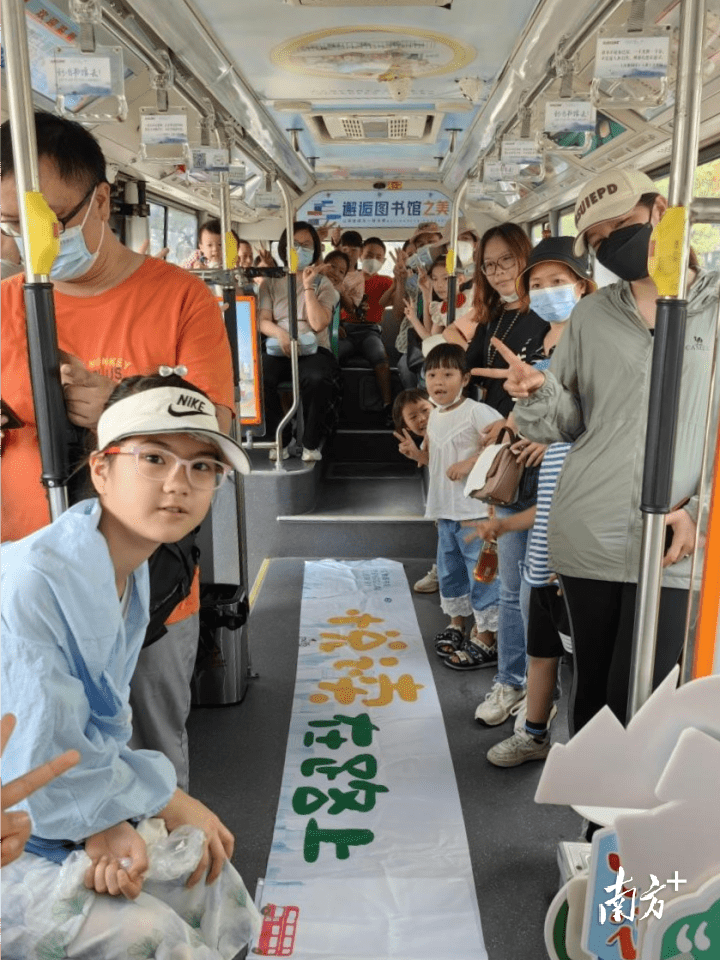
(40, 246)
(667, 360)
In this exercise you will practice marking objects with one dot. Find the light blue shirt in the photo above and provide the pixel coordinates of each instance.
(68, 655)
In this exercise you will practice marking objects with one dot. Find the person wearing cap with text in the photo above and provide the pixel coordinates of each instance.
(75, 607)
(595, 393)
(118, 313)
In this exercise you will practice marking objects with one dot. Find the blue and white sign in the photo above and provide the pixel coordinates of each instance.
(363, 209)
(617, 58)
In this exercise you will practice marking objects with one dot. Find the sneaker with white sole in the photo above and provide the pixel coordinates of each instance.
(272, 454)
(497, 704)
(309, 455)
(519, 748)
(428, 583)
(519, 711)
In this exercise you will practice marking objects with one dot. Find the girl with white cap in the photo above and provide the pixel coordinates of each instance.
(98, 877)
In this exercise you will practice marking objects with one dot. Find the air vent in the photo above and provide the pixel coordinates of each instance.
(370, 3)
(375, 127)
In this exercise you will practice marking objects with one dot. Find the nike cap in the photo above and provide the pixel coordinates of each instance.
(168, 410)
(605, 197)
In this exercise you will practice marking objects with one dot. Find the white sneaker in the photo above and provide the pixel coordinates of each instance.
(308, 455)
(497, 704)
(519, 711)
(519, 748)
(272, 454)
(428, 583)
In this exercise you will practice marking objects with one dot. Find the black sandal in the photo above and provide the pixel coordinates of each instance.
(472, 656)
(449, 641)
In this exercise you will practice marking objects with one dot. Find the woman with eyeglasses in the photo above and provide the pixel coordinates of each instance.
(320, 377)
(505, 315)
(75, 607)
(500, 311)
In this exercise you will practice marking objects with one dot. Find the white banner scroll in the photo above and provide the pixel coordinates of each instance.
(369, 859)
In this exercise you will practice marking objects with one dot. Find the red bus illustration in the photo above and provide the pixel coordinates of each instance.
(277, 936)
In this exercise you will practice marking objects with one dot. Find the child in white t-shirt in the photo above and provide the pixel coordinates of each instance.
(453, 442)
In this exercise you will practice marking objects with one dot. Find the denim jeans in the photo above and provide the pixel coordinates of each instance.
(512, 627)
(460, 593)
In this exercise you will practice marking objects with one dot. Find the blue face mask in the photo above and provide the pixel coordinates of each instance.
(421, 258)
(74, 259)
(412, 282)
(554, 304)
(305, 257)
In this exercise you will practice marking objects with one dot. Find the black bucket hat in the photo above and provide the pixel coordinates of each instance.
(556, 250)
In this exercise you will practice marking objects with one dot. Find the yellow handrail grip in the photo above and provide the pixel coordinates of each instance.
(450, 262)
(43, 238)
(231, 250)
(665, 253)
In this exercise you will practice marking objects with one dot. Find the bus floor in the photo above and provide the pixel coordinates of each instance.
(237, 756)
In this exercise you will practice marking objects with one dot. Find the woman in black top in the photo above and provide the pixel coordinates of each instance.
(501, 258)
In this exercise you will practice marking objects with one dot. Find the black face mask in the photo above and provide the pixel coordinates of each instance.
(625, 251)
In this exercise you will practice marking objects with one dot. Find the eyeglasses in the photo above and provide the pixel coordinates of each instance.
(11, 228)
(489, 267)
(154, 463)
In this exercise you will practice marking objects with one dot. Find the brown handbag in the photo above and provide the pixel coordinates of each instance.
(502, 479)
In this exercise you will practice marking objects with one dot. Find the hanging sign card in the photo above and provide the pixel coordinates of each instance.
(617, 58)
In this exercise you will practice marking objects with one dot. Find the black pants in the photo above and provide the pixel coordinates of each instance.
(319, 382)
(602, 614)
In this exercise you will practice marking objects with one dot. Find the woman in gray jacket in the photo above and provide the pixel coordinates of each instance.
(596, 394)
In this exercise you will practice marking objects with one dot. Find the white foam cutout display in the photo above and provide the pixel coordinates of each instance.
(606, 764)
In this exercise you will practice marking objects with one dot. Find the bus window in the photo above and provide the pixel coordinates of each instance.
(705, 237)
(567, 223)
(157, 228)
(181, 234)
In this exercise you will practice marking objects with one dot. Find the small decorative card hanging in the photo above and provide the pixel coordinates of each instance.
(569, 124)
(84, 79)
(631, 71)
(164, 136)
(528, 156)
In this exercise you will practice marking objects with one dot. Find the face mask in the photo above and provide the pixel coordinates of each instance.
(554, 304)
(509, 297)
(421, 258)
(74, 259)
(466, 252)
(445, 406)
(625, 251)
(305, 257)
(371, 266)
(412, 282)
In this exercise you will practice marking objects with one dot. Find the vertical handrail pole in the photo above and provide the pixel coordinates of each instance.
(292, 322)
(452, 267)
(48, 398)
(667, 361)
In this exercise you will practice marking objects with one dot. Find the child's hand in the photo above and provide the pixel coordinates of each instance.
(407, 446)
(490, 434)
(459, 470)
(266, 258)
(410, 311)
(489, 529)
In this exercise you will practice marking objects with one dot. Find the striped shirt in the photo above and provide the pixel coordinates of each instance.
(536, 569)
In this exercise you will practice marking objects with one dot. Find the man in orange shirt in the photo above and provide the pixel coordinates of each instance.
(118, 314)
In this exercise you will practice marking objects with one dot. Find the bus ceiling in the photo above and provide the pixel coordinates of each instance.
(346, 94)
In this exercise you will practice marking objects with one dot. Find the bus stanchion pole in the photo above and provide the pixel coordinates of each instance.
(451, 262)
(39, 228)
(292, 322)
(667, 359)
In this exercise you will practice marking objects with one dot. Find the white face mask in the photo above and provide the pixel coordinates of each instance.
(446, 406)
(509, 297)
(371, 266)
(466, 252)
